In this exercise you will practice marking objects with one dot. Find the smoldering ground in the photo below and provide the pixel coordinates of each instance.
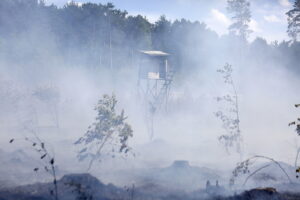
(32, 61)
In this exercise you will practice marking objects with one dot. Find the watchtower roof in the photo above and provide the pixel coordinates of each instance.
(155, 53)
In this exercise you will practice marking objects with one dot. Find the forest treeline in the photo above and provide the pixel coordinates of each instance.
(102, 36)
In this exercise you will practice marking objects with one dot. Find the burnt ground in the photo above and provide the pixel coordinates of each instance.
(87, 187)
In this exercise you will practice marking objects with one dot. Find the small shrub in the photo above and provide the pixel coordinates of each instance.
(109, 134)
(230, 115)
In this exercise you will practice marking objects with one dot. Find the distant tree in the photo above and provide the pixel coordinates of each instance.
(96, 35)
(294, 21)
(240, 9)
(230, 114)
(138, 30)
(108, 135)
(161, 33)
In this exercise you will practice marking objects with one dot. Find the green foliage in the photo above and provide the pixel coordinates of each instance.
(241, 17)
(294, 21)
(161, 33)
(91, 34)
(139, 29)
(230, 114)
(296, 123)
(108, 135)
(47, 159)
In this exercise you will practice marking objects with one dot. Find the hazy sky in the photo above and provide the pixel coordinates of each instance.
(268, 16)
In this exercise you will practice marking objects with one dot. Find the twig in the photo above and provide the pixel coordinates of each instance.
(254, 173)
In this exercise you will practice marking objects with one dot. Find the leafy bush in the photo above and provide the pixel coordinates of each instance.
(109, 133)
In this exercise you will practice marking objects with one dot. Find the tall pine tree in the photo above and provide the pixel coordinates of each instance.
(240, 9)
(294, 21)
